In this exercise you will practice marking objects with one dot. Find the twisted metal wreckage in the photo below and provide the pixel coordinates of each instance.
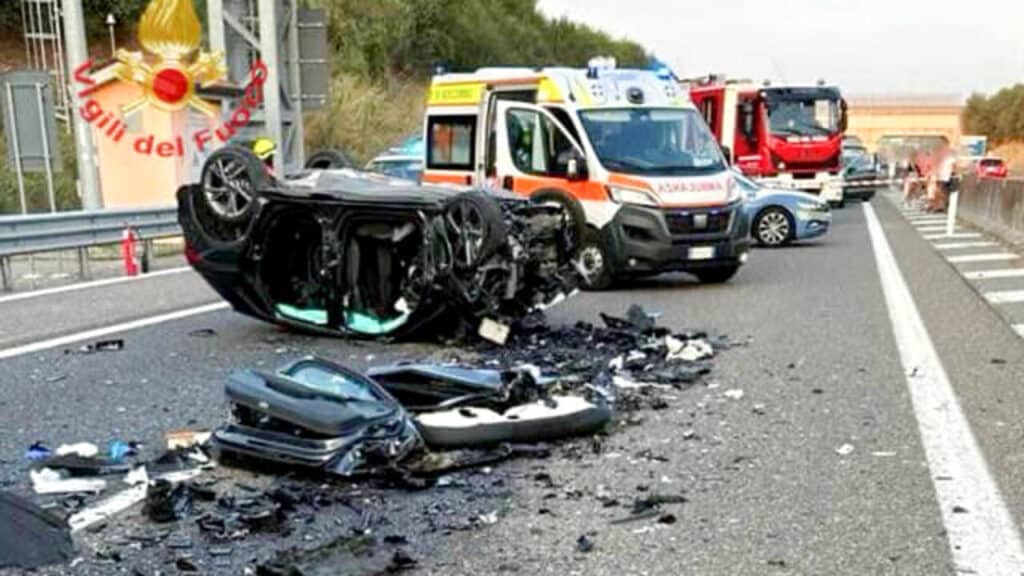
(345, 253)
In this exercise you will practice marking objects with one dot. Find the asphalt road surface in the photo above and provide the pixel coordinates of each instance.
(878, 430)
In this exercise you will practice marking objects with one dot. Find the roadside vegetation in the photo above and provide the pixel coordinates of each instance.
(382, 57)
(1001, 118)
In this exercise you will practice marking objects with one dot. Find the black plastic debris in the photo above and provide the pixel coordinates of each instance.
(31, 537)
(82, 466)
(167, 502)
(203, 333)
(585, 544)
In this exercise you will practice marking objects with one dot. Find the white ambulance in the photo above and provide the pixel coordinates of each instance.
(624, 149)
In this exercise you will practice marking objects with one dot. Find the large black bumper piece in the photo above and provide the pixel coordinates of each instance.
(644, 240)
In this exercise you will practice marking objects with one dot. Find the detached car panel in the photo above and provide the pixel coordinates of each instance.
(341, 252)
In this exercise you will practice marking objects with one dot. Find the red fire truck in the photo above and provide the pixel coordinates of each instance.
(784, 136)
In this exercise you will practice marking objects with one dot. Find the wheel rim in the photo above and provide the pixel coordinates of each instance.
(591, 263)
(467, 223)
(773, 228)
(227, 188)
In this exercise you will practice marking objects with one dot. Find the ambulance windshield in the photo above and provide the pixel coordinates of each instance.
(653, 141)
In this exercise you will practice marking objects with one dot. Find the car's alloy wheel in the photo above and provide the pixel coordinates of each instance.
(228, 188)
(469, 227)
(773, 228)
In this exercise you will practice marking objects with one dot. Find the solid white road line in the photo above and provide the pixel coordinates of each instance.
(962, 245)
(990, 257)
(1005, 296)
(984, 540)
(88, 285)
(993, 274)
(958, 235)
(108, 330)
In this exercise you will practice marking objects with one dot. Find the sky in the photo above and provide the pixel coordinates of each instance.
(866, 47)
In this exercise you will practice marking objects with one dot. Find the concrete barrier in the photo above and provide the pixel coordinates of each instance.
(995, 206)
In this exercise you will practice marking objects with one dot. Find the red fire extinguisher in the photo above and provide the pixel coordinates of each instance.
(128, 239)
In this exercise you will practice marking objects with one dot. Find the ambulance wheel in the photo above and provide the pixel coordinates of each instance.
(231, 180)
(475, 227)
(594, 262)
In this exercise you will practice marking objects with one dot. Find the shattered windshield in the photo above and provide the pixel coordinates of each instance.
(653, 142)
(803, 117)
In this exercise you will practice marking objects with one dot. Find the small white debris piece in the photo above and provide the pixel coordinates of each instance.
(883, 454)
(489, 519)
(494, 331)
(687, 350)
(845, 450)
(616, 364)
(734, 394)
(83, 449)
(402, 306)
(48, 481)
(137, 476)
(107, 508)
(626, 384)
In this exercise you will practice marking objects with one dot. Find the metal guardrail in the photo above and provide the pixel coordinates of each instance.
(38, 233)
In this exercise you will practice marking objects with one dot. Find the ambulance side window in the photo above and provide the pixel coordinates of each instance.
(536, 143)
(450, 142)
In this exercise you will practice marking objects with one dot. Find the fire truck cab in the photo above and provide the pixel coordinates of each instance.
(625, 150)
(782, 136)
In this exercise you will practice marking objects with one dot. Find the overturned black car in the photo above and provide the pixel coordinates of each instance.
(346, 253)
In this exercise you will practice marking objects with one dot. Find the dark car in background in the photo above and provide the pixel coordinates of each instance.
(862, 173)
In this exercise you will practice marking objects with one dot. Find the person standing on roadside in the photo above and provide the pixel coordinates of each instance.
(946, 176)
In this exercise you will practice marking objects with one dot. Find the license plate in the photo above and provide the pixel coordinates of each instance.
(702, 253)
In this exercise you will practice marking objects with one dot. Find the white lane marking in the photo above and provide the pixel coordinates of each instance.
(959, 235)
(88, 285)
(929, 221)
(989, 257)
(962, 245)
(984, 540)
(1005, 296)
(108, 330)
(993, 274)
(930, 228)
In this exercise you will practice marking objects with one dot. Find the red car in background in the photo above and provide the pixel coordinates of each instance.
(991, 168)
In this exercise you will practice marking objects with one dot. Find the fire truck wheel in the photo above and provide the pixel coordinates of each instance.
(231, 179)
(595, 263)
(577, 230)
(476, 228)
(773, 227)
(329, 160)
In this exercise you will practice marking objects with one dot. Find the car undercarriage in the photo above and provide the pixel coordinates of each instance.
(353, 254)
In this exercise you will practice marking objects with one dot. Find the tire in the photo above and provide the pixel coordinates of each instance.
(231, 180)
(476, 228)
(716, 275)
(594, 262)
(329, 160)
(575, 211)
(774, 227)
